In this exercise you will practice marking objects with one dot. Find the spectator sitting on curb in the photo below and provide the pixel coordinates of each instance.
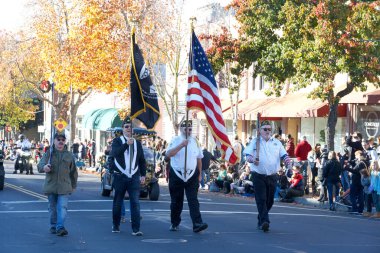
(244, 182)
(296, 187)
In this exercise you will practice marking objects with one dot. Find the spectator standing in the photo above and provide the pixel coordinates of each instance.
(82, 151)
(356, 188)
(354, 141)
(207, 158)
(60, 181)
(365, 180)
(370, 151)
(331, 175)
(321, 183)
(93, 153)
(375, 182)
(237, 149)
(75, 149)
(290, 146)
(344, 177)
(314, 158)
(301, 152)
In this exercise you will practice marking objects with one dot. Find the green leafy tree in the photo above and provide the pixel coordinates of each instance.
(302, 42)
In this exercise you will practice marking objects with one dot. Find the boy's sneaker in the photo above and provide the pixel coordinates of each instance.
(115, 229)
(138, 233)
(62, 232)
(53, 230)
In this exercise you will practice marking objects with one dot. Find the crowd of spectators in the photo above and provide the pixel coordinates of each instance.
(349, 178)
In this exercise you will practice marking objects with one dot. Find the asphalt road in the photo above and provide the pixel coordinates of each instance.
(232, 224)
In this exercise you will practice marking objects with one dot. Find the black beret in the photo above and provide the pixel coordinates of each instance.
(127, 120)
(265, 123)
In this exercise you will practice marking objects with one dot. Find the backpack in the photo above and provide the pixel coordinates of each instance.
(214, 187)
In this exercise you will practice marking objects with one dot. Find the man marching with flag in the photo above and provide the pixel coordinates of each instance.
(129, 160)
(184, 150)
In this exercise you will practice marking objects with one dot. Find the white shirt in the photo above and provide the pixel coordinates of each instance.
(194, 152)
(270, 155)
(23, 145)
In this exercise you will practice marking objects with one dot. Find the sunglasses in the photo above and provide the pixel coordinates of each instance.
(127, 126)
(61, 139)
(267, 129)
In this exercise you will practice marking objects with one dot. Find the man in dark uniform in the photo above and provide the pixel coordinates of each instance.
(207, 157)
(185, 178)
(129, 172)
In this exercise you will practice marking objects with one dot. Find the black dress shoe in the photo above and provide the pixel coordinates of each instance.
(198, 227)
(265, 226)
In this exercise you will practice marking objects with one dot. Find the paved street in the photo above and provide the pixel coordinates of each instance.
(232, 224)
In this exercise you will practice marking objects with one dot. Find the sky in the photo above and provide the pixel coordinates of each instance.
(12, 12)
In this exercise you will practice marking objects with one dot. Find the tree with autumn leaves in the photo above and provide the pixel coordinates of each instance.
(82, 46)
(302, 42)
(16, 103)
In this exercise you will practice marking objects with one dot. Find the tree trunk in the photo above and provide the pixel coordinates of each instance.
(331, 122)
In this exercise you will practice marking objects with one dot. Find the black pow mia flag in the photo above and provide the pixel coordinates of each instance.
(144, 104)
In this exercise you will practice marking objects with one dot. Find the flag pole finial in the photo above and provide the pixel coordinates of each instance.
(193, 20)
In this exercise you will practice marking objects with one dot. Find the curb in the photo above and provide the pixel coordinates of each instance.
(88, 171)
(321, 205)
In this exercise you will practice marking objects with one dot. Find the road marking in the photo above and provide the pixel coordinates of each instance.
(168, 202)
(28, 192)
(167, 211)
(165, 240)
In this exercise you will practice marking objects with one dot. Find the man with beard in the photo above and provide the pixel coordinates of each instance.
(185, 174)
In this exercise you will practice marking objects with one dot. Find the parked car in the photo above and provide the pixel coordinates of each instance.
(151, 187)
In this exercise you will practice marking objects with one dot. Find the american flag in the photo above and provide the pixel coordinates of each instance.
(203, 95)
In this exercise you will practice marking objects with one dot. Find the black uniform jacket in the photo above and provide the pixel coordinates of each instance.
(118, 149)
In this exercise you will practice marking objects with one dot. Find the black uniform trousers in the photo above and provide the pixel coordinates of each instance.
(177, 188)
(265, 187)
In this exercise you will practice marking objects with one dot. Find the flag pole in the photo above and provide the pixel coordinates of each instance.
(258, 139)
(133, 40)
(192, 20)
(52, 128)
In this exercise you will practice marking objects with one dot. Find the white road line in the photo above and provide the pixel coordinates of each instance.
(167, 211)
(168, 202)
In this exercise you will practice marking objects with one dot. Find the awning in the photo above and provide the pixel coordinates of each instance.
(371, 96)
(88, 118)
(101, 119)
(291, 106)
